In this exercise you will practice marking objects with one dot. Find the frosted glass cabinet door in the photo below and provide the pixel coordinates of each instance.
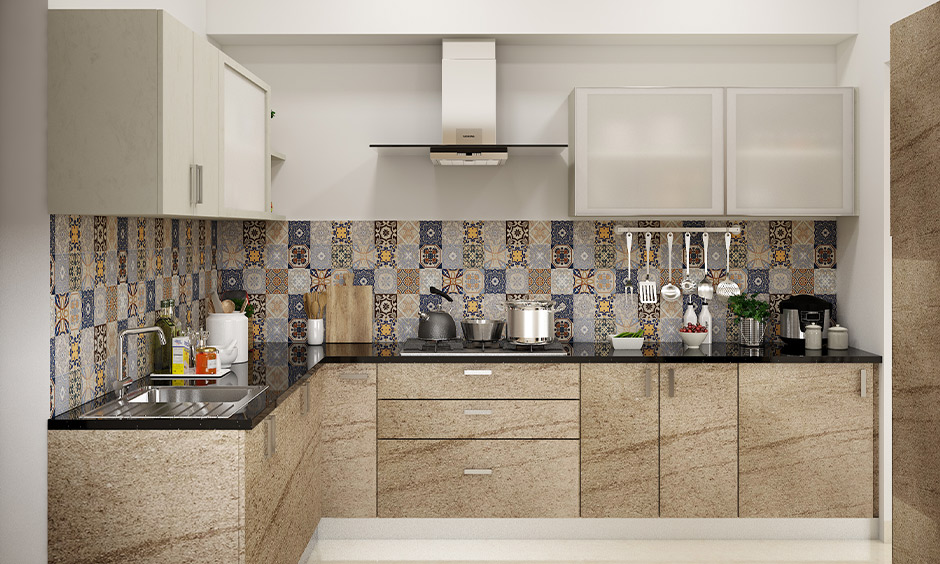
(791, 151)
(246, 161)
(646, 151)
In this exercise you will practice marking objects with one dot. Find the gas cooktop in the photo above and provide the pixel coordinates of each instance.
(459, 347)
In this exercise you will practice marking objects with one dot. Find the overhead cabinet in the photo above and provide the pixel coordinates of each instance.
(712, 151)
(145, 120)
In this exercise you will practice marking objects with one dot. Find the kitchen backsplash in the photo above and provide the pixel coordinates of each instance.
(107, 274)
(580, 264)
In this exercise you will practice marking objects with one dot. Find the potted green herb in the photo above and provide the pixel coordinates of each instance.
(752, 315)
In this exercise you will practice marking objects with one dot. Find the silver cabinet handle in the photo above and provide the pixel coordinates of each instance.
(864, 383)
(649, 383)
(353, 376)
(477, 372)
(672, 382)
(478, 412)
(199, 174)
(477, 471)
(305, 399)
(270, 437)
(193, 184)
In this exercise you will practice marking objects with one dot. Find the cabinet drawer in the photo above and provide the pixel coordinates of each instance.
(478, 381)
(478, 478)
(478, 419)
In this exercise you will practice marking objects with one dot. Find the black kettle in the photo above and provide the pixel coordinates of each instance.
(437, 325)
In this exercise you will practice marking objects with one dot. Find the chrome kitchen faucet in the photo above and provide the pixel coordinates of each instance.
(122, 384)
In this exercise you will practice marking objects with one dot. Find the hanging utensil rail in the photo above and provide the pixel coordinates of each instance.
(734, 230)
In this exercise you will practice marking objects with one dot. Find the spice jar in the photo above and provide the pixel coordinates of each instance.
(838, 337)
(813, 337)
(207, 356)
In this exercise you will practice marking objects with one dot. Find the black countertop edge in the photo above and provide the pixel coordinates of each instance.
(270, 358)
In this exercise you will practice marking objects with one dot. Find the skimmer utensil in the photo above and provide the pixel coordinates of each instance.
(647, 286)
(687, 284)
(670, 292)
(705, 288)
(629, 283)
(727, 288)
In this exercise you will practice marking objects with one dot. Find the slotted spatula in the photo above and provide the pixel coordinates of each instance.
(728, 288)
(647, 287)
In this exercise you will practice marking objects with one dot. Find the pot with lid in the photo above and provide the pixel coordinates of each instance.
(530, 322)
(797, 312)
(436, 325)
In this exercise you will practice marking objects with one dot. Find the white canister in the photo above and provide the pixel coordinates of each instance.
(315, 331)
(812, 336)
(228, 327)
(838, 337)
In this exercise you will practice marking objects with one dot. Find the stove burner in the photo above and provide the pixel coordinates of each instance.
(457, 347)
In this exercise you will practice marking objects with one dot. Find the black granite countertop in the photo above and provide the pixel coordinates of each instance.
(283, 366)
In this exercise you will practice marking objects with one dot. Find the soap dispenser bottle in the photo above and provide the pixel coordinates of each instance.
(689, 316)
(705, 319)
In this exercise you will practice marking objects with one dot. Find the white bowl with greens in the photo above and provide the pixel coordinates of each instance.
(628, 340)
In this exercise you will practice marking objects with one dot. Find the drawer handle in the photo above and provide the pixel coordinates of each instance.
(477, 372)
(864, 383)
(478, 412)
(353, 376)
(477, 471)
(672, 382)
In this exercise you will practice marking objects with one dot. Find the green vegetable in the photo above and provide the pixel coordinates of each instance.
(629, 335)
(749, 307)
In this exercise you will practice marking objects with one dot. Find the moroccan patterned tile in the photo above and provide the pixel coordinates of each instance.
(539, 256)
(517, 233)
(320, 279)
(495, 255)
(494, 232)
(517, 257)
(386, 306)
(429, 302)
(604, 232)
(739, 277)
(582, 329)
(540, 233)
(604, 308)
(408, 305)
(174, 262)
(563, 329)
(540, 281)
(452, 281)
(75, 234)
(100, 226)
(825, 281)
(363, 277)
(585, 305)
(409, 233)
(605, 280)
(385, 256)
(298, 281)
(363, 233)
(473, 255)
(321, 232)
(780, 255)
(605, 256)
(781, 281)
(562, 233)
(122, 234)
(803, 281)
(363, 256)
(803, 232)
(825, 256)
(494, 281)
(298, 233)
(583, 256)
(407, 256)
(231, 280)
(429, 233)
(758, 281)
(474, 281)
(386, 233)
(409, 281)
(295, 307)
(254, 257)
(758, 255)
(696, 257)
(584, 232)
(648, 312)
(562, 256)
(603, 328)
(61, 273)
(341, 256)
(341, 277)
(430, 256)
(275, 255)
(342, 232)
(253, 280)
(296, 331)
(275, 329)
(319, 256)
(88, 271)
(781, 232)
(386, 280)
(276, 306)
(75, 271)
(825, 233)
(429, 277)
(494, 306)
(472, 232)
(802, 256)
(276, 233)
(517, 281)
(562, 281)
(406, 329)
(452, 256)
(385, 330)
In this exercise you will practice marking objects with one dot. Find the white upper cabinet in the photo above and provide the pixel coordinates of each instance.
(135, 120)
(246, 160)
(791, 151)
(646, 151)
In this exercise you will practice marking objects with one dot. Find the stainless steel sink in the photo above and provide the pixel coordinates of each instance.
(173, 402)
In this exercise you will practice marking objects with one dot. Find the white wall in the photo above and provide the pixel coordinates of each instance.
(436, 17)
(191, 13)
(333, 101)
(24, 282)
(864, 242)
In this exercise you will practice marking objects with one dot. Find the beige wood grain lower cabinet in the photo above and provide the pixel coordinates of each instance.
(347, 439)
(538, 380)
(806, 440)
(698, 440)
(478, 478)
(619, 440)
(478, 419)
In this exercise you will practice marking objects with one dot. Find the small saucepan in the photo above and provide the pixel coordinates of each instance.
(482, 329)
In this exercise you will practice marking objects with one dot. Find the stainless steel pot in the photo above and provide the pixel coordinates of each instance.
(437, 325)
(799, 311)
(482, 329)
(530, 322)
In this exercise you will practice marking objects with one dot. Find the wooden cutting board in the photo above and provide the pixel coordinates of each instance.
(349, 311)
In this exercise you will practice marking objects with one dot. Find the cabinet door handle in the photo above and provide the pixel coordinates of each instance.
(199, 174)
(353, 376)
(864, 383)
(305, 399)
(477, 471)
(672, 382)
(477, 372)
(193, 184)
(649, 383)
(270, 445)
(478, 412)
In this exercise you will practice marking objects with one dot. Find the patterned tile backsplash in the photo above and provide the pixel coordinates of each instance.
(107, 274)
(580, 264)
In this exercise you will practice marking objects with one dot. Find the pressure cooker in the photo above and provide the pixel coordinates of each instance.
(799, 311)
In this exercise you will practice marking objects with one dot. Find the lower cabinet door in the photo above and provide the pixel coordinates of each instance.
(698, 440)
(807, 440)
(619, 440)
(478, 478)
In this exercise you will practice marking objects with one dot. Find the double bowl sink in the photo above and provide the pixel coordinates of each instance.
(179, 402)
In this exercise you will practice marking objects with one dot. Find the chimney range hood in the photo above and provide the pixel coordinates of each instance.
(468, 110)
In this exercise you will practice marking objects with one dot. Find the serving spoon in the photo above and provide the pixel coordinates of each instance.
(705, 288)
(670, 292)
(687, 284)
